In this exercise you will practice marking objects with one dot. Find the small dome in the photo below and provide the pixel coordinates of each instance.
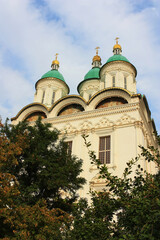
(97, 58)
(55, 62)
(93, 73)
(117, 46)
(53, 74)
(117, 57)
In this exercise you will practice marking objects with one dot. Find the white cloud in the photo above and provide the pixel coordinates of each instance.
(34, 33)
(15, 92)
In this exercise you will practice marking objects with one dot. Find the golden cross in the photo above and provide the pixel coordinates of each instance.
(97, 50)
(116, 40)
(56, 55)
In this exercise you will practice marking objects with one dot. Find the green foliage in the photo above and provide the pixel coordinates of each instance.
(45, 169)
(36, 222)
(42, 171)
(36, 170)
(128, 209)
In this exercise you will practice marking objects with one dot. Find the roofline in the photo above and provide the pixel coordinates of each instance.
(28, 106)
(154, 126)
(113, 88)
(120, 61)
(66, 97)
(52, 79)
(146, 104)
(149, 113)
(85, 81)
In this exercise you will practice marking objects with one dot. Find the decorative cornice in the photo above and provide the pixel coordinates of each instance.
(104, 123)
(67, 97)
(94, 113)
(110, 89)
(68, 128)
(29, 106)
(125, 119)
(116, 63)
(85, 125)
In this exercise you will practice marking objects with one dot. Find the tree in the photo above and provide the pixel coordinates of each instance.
(45, 169)
(24, 169)
(128, 209)
(34, 222)
(8, 184)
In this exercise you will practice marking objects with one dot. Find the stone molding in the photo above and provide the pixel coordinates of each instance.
(50, 83)
(68, 129)
(97, 182)
(95, 113)
(104, 122)
(87, 126)
(125, 119)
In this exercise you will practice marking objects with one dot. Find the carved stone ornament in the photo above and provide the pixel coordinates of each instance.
(92, 87)
(104, 122)
(86, 125)
(97, 181)
(68, 128)
(125, 119)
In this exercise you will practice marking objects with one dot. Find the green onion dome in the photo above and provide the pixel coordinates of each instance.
(117, 57)
(53, 74)
(93, 73)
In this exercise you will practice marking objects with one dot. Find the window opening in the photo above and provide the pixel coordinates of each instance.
(69, 143)
(53, 97)
(43, 96)
(125, 82)
(113, 81)
(105, 149)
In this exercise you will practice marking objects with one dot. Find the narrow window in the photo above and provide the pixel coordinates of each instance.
(69, 143)
(113, 81)
(43, 96)
(125, 82)
(104, 149)
(53, 96)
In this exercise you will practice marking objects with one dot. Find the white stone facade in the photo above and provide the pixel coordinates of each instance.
(116, 111)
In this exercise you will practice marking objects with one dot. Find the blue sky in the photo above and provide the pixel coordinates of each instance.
(32, 31)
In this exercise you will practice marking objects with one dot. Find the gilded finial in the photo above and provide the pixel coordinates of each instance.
(97, 50)
(117, 46)
(56, 55)
(96, 59)
(116, 40)
(55, 63)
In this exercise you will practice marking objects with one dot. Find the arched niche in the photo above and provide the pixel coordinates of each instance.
(35, 115)
(111, 102)
(70, 109)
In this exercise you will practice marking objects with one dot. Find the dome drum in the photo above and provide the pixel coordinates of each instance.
(49, 90)
(88, 88)
(119, 74)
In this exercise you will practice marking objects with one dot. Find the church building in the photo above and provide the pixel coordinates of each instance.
(107, 108)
